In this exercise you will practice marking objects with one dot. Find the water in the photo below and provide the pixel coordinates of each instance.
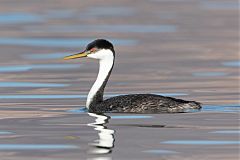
(98, 11)
(24, 68)
(209, 74)
(57, 42)
(232, 63)
(12, 147)
(160, 152)
(225, 5)
(201, 142)
(222, 108)
(45, 56)
(19, 18)
(227, 132)
(179, 48)
(106, 28)
(29, 84)
(40, 96)
(5, 132)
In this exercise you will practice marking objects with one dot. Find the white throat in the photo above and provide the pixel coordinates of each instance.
(106, 61)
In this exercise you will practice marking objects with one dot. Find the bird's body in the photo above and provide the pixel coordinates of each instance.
(134, 103)
(144, 103)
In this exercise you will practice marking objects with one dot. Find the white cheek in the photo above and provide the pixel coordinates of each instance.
(92, 56)
(102, 54)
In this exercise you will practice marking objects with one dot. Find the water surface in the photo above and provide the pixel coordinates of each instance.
(24, 68)
(19, 17)
(185, 49)
(36, 146)
(135, 28)
(57, 42)
(29, 84)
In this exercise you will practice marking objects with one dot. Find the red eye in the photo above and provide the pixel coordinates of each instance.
(93, 49)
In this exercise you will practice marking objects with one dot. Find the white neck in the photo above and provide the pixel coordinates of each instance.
(106, 61)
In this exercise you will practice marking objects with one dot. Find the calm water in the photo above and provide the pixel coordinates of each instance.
(181, 48)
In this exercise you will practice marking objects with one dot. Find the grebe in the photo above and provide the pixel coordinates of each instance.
(103, 50)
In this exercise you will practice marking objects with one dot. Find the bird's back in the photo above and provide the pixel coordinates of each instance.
(145, 103)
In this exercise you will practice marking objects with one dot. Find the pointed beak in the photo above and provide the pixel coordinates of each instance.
(78, 55)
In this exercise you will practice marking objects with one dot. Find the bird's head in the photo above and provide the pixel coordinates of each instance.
(98, 49)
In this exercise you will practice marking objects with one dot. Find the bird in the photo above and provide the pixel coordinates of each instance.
(103, 51)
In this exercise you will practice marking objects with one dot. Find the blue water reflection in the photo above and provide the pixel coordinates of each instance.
(160, 151)
(31, 84)
(22, 68)
(45, 96)
(58, 42)
(7, 69)
(232, 64)
(222, 108)
(80, 110)
(11, 18)
(5, 132)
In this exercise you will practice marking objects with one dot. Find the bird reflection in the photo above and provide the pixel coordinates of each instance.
(105, 143)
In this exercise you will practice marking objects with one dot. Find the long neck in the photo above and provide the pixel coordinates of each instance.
(95, 95)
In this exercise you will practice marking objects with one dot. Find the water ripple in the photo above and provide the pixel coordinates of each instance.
(160, 151)
(45, 96)
(46, 55)
(106, 28)
(22, 68)
(209, 74)
(107, 11)
(36, 146)
(58, 42)
(220, 5)
(201, 142)
(222, 108)
(232, 64)
(227, 132)
(12, 18)
(5, 132)
(80, 110)
(30, 84)
(60, 14)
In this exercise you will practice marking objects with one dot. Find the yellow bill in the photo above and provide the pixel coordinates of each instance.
(78, 55)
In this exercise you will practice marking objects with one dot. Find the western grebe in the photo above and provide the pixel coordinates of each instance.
(135, 103)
